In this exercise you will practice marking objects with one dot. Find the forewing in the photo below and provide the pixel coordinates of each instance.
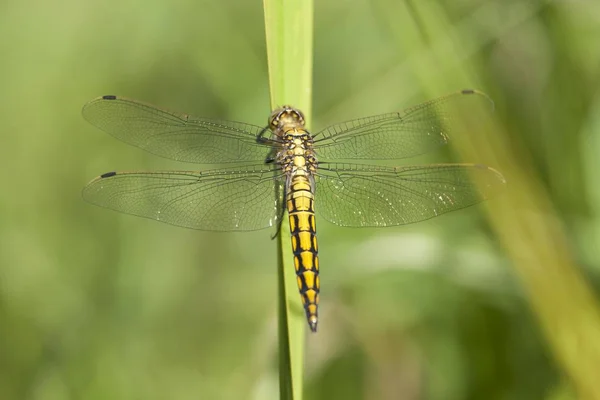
(408, 133)
(176, 136)
(218, 200)
(369, 196)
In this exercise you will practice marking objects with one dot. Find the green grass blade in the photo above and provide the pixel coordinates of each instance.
(289, 35)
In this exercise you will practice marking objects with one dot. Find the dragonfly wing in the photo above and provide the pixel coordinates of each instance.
(371, 196)
(219, 200)
(408, 133)
(176, 136)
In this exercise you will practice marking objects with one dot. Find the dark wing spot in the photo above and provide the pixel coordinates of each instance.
(108, 174)
(109, 97)
(467, 91)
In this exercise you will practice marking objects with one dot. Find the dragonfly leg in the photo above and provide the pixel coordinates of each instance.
(280, 212)
(271, 157)
(282, 191)
(260, 138)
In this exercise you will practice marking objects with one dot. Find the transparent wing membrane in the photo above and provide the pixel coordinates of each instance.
(218, 200)
(176, 136)
(398, 135)
(244, 198)
(368, 196)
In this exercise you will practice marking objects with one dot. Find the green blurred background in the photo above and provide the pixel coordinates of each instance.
(99, 305)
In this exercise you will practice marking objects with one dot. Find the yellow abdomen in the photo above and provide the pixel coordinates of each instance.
(300, 206)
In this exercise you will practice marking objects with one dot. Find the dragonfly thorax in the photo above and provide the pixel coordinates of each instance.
(284, 118)
(297, 153)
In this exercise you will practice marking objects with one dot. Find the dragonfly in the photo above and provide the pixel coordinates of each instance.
(268, 170)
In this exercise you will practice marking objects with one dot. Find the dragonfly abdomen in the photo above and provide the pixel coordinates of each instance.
(300, 206)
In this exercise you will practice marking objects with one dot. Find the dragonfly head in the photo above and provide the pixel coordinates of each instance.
(286, 116)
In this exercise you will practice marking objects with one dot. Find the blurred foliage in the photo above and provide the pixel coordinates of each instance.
(97, 305)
